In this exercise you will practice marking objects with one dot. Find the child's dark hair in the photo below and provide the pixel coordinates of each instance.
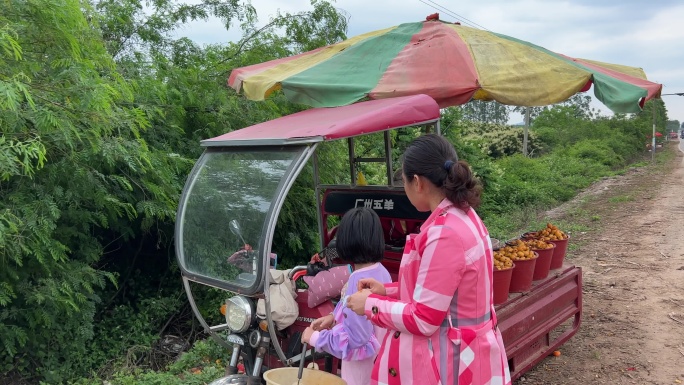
(360, 237)
(433, 157)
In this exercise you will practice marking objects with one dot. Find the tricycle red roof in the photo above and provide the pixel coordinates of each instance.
(321, 124)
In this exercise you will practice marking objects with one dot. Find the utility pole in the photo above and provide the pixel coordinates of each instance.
(527, 127)
(653, 141)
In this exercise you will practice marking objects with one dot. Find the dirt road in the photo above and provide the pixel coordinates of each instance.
(632, 256)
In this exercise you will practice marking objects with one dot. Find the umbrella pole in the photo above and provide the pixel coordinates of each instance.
(525, 130)
(653, 141)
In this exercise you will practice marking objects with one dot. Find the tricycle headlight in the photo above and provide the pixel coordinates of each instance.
(239, 313)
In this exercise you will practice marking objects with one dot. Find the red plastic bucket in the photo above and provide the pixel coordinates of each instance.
(559, 253)
(502, 283)
(543, 265)
(521, 279)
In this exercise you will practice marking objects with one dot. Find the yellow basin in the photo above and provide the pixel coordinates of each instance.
(288, 376)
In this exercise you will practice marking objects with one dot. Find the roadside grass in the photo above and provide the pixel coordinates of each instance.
(621, 199)
(590, 211)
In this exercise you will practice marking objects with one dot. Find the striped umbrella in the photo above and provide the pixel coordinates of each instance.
(450, 62)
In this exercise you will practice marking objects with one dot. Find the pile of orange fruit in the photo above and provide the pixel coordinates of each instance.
(549, 233)
(518, 250)
(537, 244)
(501, 262)
(515, 250)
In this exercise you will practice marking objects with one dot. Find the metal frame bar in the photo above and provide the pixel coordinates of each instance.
(317, 192)
(198, 315)
(388, 158)
(262, 142)
(371, 160)
(352, 163)
(369, 187)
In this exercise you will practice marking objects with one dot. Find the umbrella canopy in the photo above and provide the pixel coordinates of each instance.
(449, 62)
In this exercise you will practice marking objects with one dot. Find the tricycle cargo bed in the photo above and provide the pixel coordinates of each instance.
(535, 323)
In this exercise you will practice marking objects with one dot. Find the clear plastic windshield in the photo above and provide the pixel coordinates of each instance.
(224, 213)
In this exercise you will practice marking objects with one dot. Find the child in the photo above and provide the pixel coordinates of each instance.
(343, 333)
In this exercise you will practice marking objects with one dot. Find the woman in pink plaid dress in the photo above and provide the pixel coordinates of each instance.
(439, 315)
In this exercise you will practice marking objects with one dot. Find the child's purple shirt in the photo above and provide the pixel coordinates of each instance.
(353, 337)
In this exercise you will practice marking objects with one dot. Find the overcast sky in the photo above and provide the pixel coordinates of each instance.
(639, 33)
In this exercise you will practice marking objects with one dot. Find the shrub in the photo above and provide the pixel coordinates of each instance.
(596, 150)
(498, 140)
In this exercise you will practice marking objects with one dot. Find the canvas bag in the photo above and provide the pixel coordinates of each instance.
(284, 309)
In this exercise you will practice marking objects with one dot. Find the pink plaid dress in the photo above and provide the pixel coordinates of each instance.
(439, 314)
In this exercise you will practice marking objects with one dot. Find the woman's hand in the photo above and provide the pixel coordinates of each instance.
(357, 301)
(306, 335)
(373, 285)
(325, 322)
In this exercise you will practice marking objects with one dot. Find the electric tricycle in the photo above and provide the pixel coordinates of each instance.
(228, 214)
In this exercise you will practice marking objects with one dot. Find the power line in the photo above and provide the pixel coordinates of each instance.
(458, 16)
(445, 10)
(452, 14)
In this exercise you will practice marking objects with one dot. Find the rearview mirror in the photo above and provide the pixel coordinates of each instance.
(235, 228)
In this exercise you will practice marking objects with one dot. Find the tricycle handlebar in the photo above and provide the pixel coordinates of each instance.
(297, 272)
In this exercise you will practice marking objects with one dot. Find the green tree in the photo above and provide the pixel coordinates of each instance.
(101, 111)
(646, 118)
(485, 112)
(185, 90)
(672, 125)
(76, 174)
(580, 105)
(534, 111)
(182, 91)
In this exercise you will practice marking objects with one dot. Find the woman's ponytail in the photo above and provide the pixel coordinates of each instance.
(433, 157)
(461, 187)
